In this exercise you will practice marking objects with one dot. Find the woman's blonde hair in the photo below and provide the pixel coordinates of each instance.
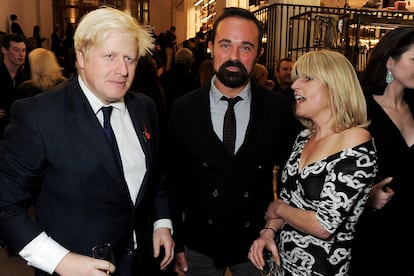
(44, 69)
(95, 27)
(259, 74)
(334, 70)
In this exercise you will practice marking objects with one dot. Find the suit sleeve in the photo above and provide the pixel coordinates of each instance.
(22, 166)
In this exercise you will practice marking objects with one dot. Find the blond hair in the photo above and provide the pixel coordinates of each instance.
(45, 69)
(259, 74)
(334, 70)
(95, 27)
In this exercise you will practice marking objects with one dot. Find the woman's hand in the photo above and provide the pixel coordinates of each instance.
(380, 194)
(265, 241)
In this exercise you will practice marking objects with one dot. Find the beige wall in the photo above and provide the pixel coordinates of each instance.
(29, 14)
(39, 12)
(160, 15)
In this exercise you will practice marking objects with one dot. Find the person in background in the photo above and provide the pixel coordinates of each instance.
(56, 44)
(384, 239)
(179, 80)
(325, 183)
(260, 74)
(46, 74)
(159, 48)
(206, 71)
(219, 193)
(30, 46)
(170, 40)
(15, 26)
(157, 61)
(190, 44)
(283, 80)
(38, 38)
(92, 175)
(147, 81)
(200, 53)
(13, 48)
(68, 50)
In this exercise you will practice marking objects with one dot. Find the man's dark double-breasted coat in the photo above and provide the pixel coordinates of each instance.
(222, 199)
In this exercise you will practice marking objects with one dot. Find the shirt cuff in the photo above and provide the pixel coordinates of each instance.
(43, 253)
(163, 223)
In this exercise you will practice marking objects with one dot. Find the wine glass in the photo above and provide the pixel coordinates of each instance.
(271, 268)
(103, 252)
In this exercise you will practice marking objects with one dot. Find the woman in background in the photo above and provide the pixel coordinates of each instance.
(260, 74)
(384, 239)
(38, 38)
(46, 73)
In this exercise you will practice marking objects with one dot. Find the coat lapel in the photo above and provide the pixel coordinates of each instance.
(144, 132)
(86, 126)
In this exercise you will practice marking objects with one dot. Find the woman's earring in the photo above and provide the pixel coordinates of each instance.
(389, 78)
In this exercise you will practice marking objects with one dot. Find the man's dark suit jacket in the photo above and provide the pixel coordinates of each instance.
(8, 87)
(55, 155)
(224, 198)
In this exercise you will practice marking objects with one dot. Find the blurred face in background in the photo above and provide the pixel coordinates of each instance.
(283, 74)
(15, 55)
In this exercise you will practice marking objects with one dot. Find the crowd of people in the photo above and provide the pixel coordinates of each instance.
(168, 154)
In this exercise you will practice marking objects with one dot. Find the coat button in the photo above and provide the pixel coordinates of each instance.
(215, 193)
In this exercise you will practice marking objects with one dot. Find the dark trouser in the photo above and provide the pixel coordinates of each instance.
(202, 265)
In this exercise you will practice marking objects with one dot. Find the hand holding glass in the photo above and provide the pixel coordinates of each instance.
(103, 252)
(271, 268)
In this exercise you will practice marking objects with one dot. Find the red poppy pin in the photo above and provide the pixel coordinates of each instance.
(147, 135)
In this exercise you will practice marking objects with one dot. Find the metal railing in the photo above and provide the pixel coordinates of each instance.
(292, 30)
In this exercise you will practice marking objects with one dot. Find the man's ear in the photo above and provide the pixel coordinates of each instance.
(80, 58)
(210, 46)
(261, 51)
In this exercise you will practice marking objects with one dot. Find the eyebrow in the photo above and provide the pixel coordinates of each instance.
(225, 40)
(17, 48)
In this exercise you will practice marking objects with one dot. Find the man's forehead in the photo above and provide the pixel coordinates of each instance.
(19, 45)
(286, 64)
(235, 28)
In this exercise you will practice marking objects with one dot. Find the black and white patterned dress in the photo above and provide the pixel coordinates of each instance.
(336, 188)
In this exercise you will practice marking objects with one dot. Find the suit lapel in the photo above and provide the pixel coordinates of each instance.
(89, 131)
(144, 133)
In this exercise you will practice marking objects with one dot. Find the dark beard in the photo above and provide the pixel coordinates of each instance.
(233, 79)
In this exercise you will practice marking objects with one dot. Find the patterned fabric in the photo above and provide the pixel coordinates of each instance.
(336, 188)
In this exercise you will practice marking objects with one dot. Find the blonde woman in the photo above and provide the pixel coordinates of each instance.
(45, 72)
(326, 181)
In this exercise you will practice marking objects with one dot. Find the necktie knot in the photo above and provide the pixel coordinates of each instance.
(231, 101)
